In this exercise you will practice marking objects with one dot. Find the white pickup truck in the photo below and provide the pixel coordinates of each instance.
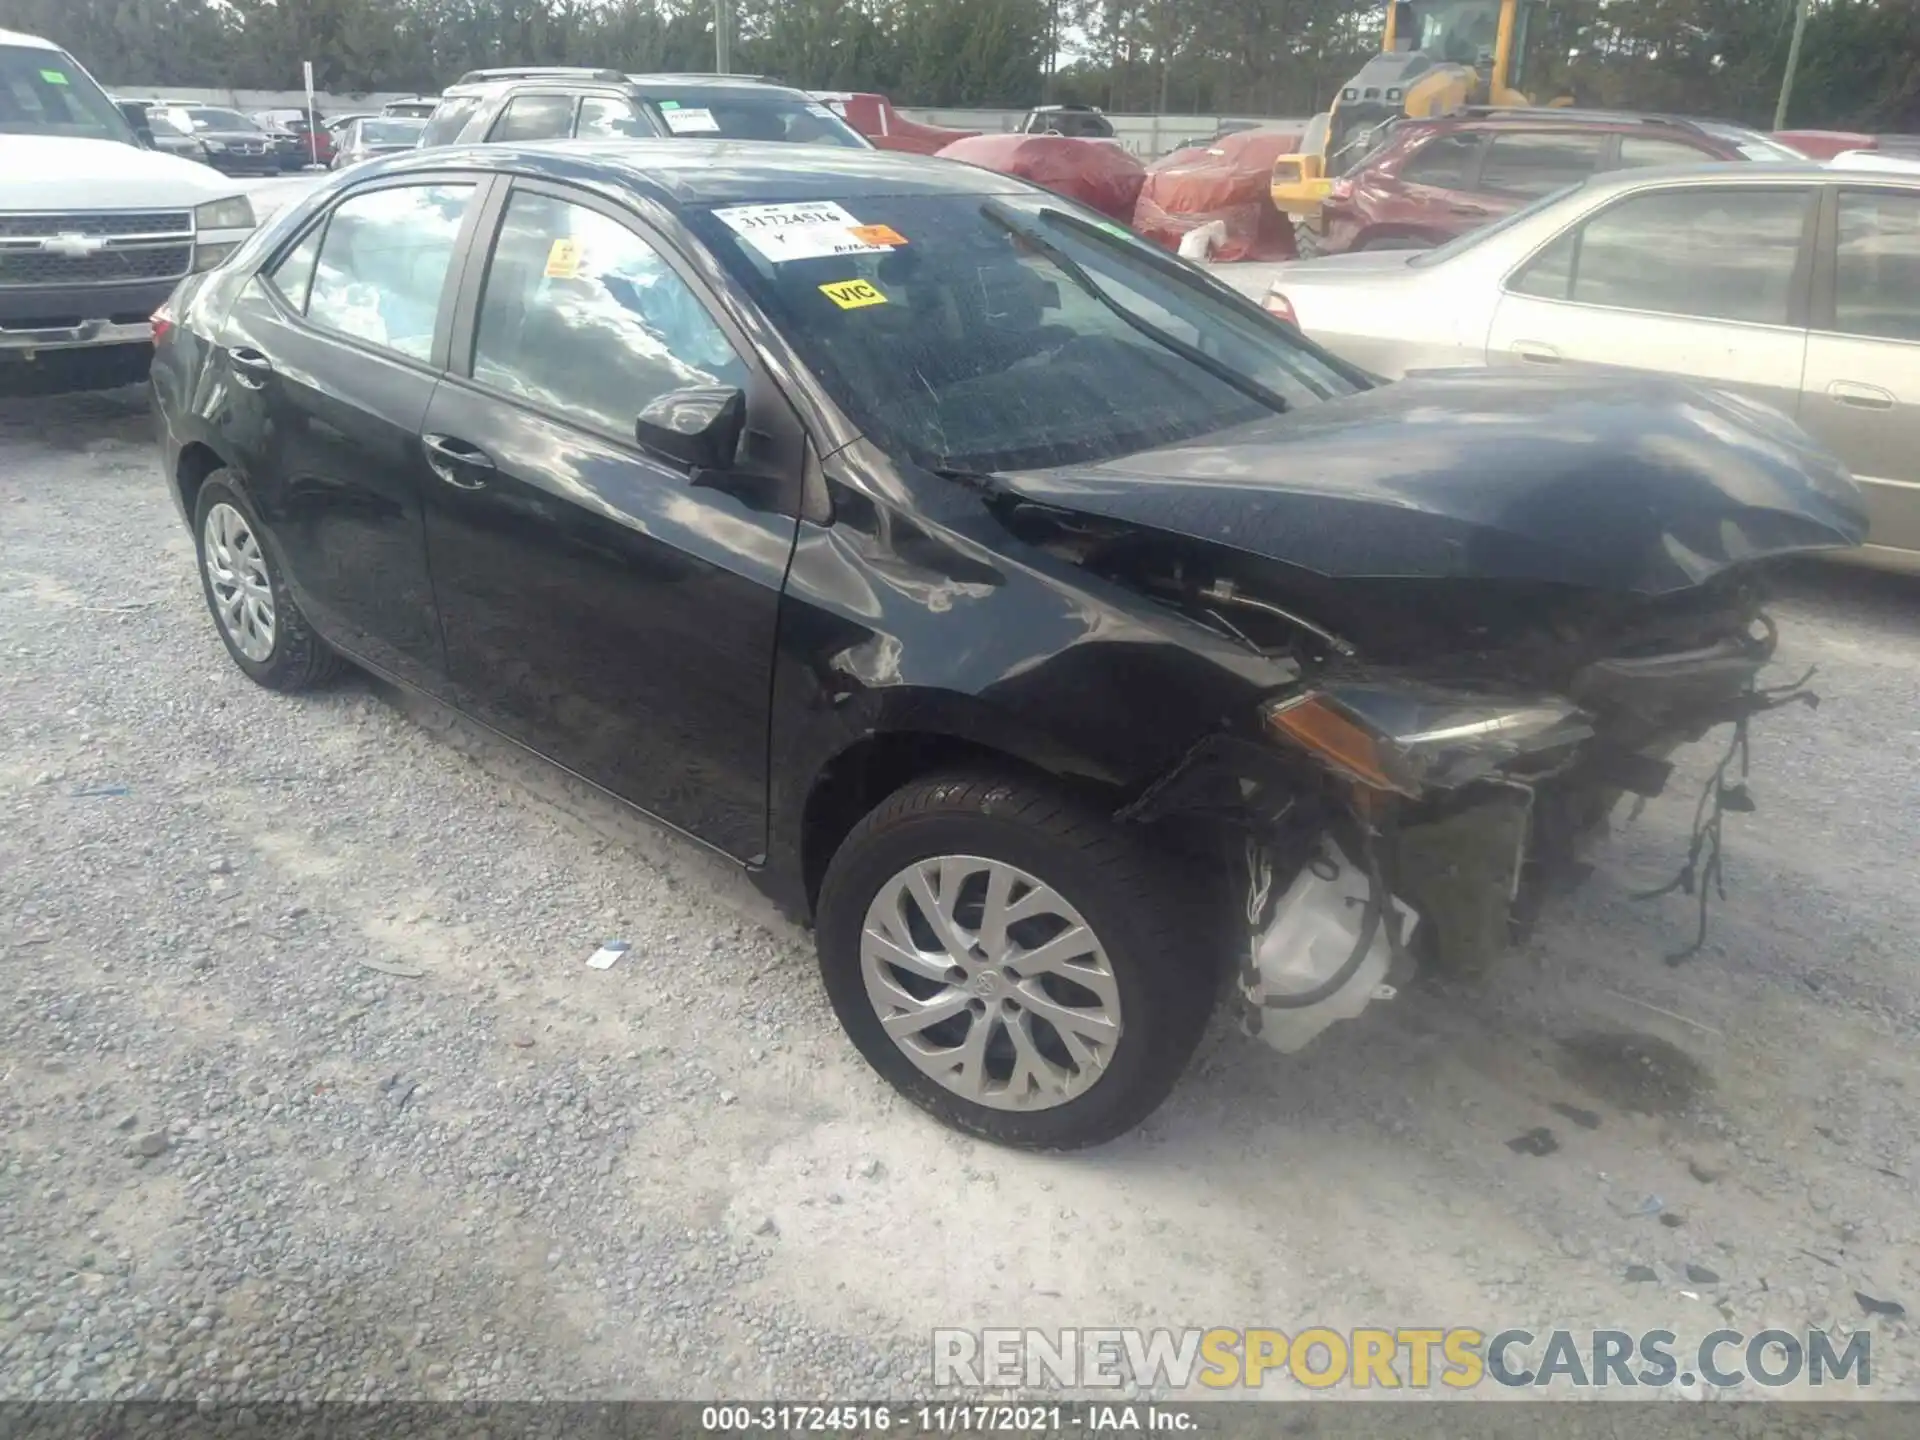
(95, 228)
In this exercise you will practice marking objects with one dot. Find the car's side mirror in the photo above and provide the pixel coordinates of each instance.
(698, 427)
(136, 116)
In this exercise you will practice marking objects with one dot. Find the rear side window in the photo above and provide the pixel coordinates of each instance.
(1877, 265)
(1713, 254)
(449, 119)
(1639, 151)
(581, 317)
(535, 117)
(1538, 162)
(608, 117)
(383, 265)
(1445, 161)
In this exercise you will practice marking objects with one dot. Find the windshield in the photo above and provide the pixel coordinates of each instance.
(956, 343)
(776, 117)
(1460, 244)
(42, 92)
(1460, 31)
(203, 117)
(391, 132)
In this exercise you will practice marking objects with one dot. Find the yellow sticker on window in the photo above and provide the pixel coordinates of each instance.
(852, 294)
(563, 260)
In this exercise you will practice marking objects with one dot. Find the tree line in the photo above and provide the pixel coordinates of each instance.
(1859, 67)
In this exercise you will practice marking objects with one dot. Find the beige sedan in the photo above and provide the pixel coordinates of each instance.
(1797, 284)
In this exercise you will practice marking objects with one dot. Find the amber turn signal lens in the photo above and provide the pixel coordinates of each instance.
(1322, 731)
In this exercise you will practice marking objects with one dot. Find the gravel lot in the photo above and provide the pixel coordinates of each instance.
(307, 1090)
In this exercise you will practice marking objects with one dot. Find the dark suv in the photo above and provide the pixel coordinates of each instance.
(1426, 181)
(561, 102)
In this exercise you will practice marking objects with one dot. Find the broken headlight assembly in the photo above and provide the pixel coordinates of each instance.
(1408, 739)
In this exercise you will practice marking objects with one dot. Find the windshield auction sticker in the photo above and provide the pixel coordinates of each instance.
(809, 231)
(853, 294)
(683, 121)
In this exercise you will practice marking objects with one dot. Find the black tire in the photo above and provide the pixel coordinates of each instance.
(1307, 242)
(1142, 903)
(299, 659)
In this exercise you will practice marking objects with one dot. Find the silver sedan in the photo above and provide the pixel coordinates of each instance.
(1797, 284)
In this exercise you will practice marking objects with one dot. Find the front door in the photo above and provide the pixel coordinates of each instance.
(1862, 393)
(605, 605)
(326, 430)
(1704, 283)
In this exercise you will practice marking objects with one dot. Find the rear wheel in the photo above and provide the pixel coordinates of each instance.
(1308, 242)
(1013, 962)
(252, 608)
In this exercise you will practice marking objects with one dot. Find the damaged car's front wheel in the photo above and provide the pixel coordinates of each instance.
(1015, 962)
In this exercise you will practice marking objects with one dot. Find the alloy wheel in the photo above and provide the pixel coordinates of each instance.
(237, 575)
(990, 983)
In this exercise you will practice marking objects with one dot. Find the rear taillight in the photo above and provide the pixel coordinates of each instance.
(1278, 306)
(162, 322)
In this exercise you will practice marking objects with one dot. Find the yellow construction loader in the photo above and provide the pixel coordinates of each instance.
(1435, 56)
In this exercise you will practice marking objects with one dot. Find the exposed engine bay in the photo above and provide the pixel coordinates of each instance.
(1430, 766)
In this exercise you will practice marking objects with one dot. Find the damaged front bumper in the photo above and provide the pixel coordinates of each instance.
(1399, 822)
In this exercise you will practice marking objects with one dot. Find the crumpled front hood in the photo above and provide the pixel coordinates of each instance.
(1623, 483)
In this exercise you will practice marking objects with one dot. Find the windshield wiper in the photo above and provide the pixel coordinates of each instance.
(1014, 223)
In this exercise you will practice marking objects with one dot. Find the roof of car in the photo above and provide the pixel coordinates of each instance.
(14, 37)
(674, 85)
(687, 172)
(1746, 172)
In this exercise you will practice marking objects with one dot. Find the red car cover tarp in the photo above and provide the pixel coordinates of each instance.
(1229, 181)
(1097, 173)
(874, 117)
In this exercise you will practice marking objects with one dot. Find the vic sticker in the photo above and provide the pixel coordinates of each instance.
(853, 294)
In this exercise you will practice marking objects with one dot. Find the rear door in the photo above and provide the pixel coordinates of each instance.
(1705, 282)
(1862, 391)
(609, 607)
(326, 364)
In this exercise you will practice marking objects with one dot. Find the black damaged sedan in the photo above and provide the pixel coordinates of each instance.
(1071, 643)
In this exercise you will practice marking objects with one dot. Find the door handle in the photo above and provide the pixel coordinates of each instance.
(455, 461)
(1865, 397)
(1534, 353)
(1467, 209)
(250, 367)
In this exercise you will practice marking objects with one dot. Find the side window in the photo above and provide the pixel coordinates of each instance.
(582, 317)
(293, 276)
(1876, 289)
(383, 264)
(535, 117)
(1549, 275)
(1718, 254)
(1538, 162)
(1639, 151)
(1445, 161)
(448, 120)
(607, 117)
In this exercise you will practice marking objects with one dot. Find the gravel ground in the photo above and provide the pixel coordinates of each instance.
(306, 1089)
